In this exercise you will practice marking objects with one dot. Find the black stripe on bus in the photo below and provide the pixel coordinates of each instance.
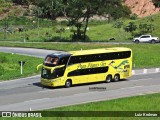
(88, 71)
(99, 57)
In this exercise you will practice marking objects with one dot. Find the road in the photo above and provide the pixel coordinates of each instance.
(27, 51)
(100, 42)
(27, 93)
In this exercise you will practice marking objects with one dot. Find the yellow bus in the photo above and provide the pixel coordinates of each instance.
(86, 66)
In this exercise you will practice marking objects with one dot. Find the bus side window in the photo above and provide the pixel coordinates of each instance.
(74, 60)
(71, 61)
(99, 57)
(74, 73)
(63, 61)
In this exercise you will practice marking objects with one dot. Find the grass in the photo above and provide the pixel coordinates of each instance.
(10, 68)
(144, 55)
(136, 103)
(98, 30)
(155, 21)
(85, 118)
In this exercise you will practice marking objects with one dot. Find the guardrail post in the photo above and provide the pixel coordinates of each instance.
(145, 71)
(157, 70)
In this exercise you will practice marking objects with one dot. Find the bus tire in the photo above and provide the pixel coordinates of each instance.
(108, 78)
(116, 78)
(68, 83)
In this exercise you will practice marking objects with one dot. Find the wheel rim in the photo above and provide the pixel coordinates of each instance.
(137, 41)
(68, 84)
(108, 79)
(153, 41)
(116, 78)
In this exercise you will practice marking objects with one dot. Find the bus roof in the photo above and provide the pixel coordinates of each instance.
(59, 54)
(95, 51)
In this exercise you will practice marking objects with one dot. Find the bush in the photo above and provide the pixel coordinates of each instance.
(134, 16)
(1, 70)
(3, 59)
(55, 39)
(80, 38)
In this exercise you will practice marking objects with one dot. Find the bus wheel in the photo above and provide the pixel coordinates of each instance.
(68, 83)
(109, 78)
(116, 78)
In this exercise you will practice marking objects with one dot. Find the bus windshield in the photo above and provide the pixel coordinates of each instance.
(51, 61)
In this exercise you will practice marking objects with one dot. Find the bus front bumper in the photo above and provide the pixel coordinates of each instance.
(50, 83)
(46, 82)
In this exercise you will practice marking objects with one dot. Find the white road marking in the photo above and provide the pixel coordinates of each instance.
(95, 90)
(132, 87)
(39, 101)
(36, 100)
(141, 79)
(146, 73)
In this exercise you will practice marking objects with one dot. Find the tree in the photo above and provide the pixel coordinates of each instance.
(79, 12)
(118, 24)
(21, 1)
(156, 3)
(150, 28)
(45, 7)
(146, 28)
(143, 28)
(131, 27)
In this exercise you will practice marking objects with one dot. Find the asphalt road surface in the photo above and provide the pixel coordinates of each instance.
(27, 51)
(27, 93)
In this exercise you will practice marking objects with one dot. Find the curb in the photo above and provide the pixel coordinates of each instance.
(145, 71)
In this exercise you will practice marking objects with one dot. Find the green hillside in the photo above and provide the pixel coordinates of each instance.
(47, 31)
(4, 6)
(33, 29)
(8, 8)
